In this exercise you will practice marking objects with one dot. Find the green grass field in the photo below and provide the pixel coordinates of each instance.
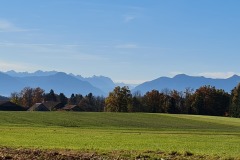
(121, 131)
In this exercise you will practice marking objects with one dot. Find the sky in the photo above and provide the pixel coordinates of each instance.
(130, 41)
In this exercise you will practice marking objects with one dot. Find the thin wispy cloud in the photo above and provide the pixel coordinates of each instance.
(49, 51)
(6, 66)
(6, 26)
(127, 46)
(217, 74)
(129, 18)
(172, 74)
(40, 44)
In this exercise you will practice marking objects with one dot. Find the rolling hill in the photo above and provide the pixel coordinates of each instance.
(204, 135)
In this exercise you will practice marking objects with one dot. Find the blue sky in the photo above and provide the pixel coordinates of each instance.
(130, 41)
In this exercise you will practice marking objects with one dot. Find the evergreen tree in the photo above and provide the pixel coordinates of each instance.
(63, 99)
(234, 109)
(50, 96)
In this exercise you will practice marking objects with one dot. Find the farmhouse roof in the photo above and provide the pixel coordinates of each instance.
(10, 106)
(51, 105)
(38, 107)
(2, 102)
(71, 108)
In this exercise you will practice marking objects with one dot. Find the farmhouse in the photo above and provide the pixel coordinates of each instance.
(38, 107)
(9, 106)
(71, 108)
(53, 106)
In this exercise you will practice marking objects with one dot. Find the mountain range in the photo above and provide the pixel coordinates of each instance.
(12, 81)
(181, 82)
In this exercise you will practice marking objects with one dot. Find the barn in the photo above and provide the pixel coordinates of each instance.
(38, 107)
(71, 108)
(9, 106)
(53, 106)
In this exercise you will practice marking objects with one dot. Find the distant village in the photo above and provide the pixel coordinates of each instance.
(45, 106)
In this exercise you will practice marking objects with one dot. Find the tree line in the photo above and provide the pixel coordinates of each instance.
(27, 97)
(206, 100)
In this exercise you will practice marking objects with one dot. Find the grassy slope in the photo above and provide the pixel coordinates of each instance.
(116, 131)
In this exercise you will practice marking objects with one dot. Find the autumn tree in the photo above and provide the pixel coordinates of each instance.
(27, 97)
(188, 101)
(176, 102)
(211, 101)
(38, 94)
(119, 100)
(16, 98)
(151, 101)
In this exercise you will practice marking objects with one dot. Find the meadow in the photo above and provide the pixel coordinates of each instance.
(201, 135)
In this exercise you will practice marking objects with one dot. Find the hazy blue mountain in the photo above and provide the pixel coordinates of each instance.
(2, 98)
(9, 84)
(61, 82)
(27, 74)
(12, 81)
(101, 82)
(130, 86)
(182, 81)
(106, 84)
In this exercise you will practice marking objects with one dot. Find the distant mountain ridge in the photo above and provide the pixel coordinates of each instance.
(181, 82)
(3, 98)
(9, 84)
(59, 82)
(27, 74)
(12, 81)
(103, 83)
